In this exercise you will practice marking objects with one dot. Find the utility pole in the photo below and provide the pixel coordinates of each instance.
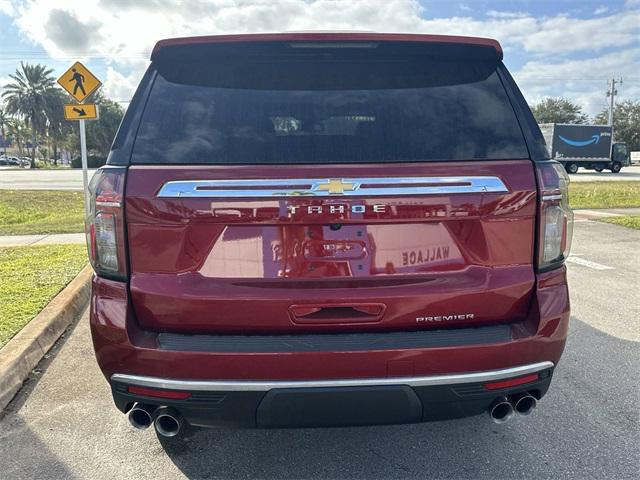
(611, 93)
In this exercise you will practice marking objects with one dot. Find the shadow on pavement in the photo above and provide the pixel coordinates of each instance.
(586, 426)
(32, 460)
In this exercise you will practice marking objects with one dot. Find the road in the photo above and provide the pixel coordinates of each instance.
(71, 179)
(626, 174)
(63, 424)
(25, 179)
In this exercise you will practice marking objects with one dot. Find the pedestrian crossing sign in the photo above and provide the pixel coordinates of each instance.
(79, 82)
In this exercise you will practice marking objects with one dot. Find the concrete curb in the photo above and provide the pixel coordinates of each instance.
(26, 349)
(595, 213)
(43, 239)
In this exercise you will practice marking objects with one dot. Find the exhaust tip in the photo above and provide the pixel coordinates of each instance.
(501, 410)
(525, 404)
(168, 422)
(141, 416)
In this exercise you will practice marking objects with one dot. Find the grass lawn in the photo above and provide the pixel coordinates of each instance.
(30, 277)
(25, 212)
(604, 194)
(629, 221)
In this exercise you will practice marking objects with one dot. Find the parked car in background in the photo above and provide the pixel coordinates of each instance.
(328, 229)
(10, 160)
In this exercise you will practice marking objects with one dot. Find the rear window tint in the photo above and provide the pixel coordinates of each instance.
(289, 112)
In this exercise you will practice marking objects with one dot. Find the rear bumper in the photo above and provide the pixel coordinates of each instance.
(384, 380)
(332, 402)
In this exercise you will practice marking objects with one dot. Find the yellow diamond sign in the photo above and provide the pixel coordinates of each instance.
(79, 82)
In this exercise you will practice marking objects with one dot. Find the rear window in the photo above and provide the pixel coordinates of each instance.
(293, 111)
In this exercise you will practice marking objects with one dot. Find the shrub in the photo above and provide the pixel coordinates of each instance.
(93, 161)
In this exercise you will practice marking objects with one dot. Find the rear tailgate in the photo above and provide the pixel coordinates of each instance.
(300, 186)
(300, 263)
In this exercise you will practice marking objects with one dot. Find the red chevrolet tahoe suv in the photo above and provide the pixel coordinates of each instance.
(327, 229)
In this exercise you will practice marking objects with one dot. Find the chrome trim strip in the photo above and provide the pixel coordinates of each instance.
(108, 204)
(322, 187)
(264, 385)
(551, 197)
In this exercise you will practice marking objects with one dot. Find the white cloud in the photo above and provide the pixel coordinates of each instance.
(584, 81)
(566, 34)
(600, 10)
(123, 32)
(6, 7)
(125, 29)
(120, 87)
(502, 14)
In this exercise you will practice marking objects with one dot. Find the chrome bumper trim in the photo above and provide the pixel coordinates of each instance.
(265, 385)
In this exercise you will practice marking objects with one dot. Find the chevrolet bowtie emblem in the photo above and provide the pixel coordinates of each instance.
(335, 186)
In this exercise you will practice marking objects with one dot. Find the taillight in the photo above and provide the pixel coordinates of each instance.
(104, 224)
(556, 218)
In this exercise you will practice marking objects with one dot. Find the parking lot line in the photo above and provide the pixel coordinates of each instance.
(588, 263)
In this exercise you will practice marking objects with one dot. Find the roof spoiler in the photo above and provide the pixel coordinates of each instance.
(333, 40)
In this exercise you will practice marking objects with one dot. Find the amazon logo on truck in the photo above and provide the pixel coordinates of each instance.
(583, 143)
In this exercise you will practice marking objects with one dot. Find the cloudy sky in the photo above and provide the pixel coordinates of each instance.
(553, 47)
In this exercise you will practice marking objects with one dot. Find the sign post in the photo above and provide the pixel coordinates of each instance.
(80, 83)
(85, 171)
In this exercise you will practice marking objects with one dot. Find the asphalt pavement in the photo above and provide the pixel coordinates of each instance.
(63, 423)
(71, 179)
(629, 174)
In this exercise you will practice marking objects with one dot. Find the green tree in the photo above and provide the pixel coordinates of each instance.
(28, 96)
(5, 122)
(20, 133)
(57, 127)
(100, 133)
(626, 123)
(558, 110)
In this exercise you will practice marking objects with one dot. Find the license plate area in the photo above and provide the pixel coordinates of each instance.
(333, 406)
(334, 250)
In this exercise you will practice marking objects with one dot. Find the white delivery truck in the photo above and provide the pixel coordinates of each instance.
(586, 146)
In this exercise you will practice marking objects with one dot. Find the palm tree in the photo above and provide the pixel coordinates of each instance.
(29, 97)
(20, 133)
(57, 127)
(4, 125)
